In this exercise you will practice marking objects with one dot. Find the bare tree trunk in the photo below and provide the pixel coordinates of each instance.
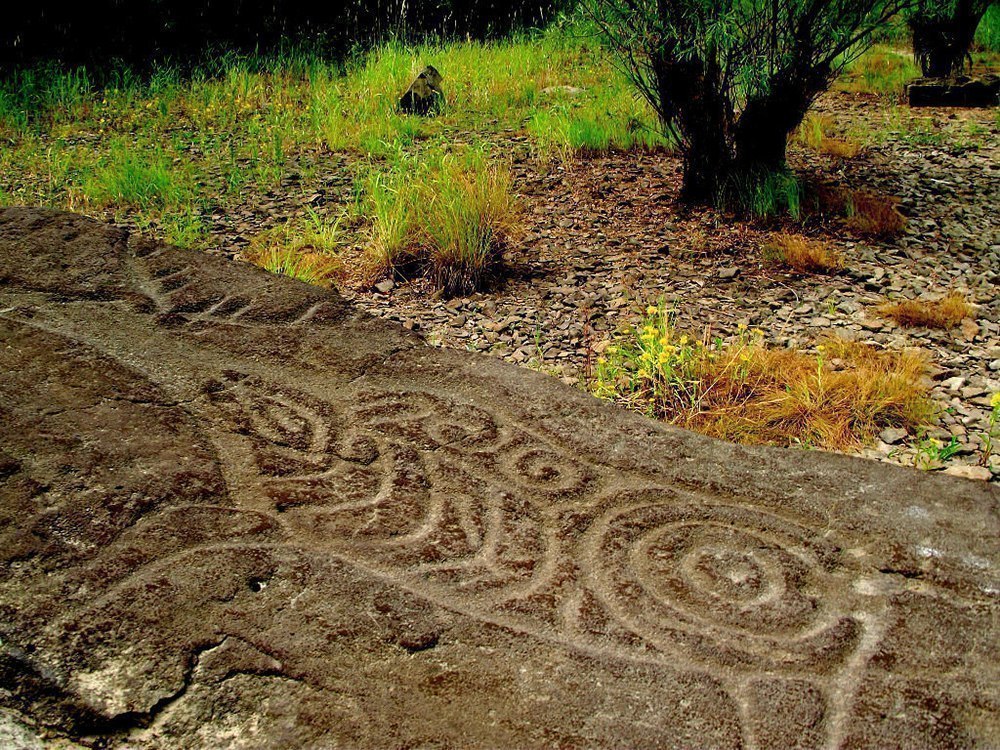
(761, 134)
(703, 122)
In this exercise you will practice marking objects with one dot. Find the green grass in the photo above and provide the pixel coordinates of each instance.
(306, 249)
(988, 33)
(448, 214)
(135, 180)
(883, 71)
(609, 118)
(767, 196)
(166, 149)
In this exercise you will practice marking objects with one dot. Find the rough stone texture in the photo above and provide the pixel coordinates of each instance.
(236, 513)
(955, 92)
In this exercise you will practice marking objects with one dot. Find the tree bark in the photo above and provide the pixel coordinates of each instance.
(703, 120)
(761, 133)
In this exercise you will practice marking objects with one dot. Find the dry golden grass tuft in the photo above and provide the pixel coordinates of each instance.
(874, 215)
(838, 398)
(803, 254)
(839, 147)
(312, 268)
(866, 212)
(946, 312)
(813, 135)
(307, 250)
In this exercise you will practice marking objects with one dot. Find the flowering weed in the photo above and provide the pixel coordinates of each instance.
(740, 389)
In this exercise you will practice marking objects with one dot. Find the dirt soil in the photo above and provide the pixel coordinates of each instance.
(239, 512)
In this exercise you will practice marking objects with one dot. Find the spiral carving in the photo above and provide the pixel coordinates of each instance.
(720, 583)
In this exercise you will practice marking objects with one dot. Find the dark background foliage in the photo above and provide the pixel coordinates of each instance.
(140, 31)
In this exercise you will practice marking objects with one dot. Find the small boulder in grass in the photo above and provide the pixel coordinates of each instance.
(424, 97)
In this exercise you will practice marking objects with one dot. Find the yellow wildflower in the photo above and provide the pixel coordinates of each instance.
(995, 400)
(651, 310)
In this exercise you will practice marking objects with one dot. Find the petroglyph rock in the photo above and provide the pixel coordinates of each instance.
(236, 513)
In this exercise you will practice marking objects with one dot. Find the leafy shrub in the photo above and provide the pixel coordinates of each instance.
(988, 33)
(732, 81)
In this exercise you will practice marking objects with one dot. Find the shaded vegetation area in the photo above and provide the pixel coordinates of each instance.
(179, 31)
(169, 152)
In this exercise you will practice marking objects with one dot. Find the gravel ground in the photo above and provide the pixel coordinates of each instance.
(606, 238)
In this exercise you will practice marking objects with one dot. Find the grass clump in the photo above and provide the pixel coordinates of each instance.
(812, 133)
(741, 390)
(803, 254)
(882, 71)
(944, 313)
(569, 121)
(306, 250)
(764, 196)
(867, 213)
(450, 216)
(139, 180)
(874, 215)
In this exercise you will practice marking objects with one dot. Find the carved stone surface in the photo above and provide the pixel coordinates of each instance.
(236, 513)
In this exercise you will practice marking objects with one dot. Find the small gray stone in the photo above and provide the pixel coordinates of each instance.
(893, 435)
(384, 287)
(980, 473)
(954, 384)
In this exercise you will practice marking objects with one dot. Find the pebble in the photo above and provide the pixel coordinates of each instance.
(893, 435)
(980, 473)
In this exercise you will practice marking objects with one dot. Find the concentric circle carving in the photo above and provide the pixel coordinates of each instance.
(720, 583)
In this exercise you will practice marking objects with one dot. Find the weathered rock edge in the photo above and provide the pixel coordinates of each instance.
(236, 513)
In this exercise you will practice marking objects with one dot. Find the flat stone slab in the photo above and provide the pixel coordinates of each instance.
(962, 91)
(237, 513)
